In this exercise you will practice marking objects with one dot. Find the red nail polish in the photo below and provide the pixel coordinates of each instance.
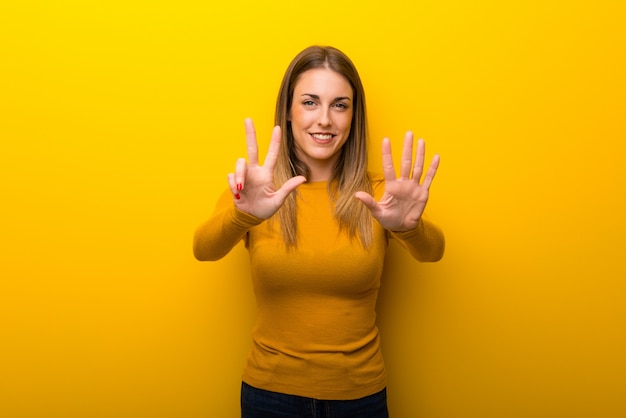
(239, 186)
(237, 196)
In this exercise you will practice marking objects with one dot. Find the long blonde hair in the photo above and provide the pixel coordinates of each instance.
(350, 173)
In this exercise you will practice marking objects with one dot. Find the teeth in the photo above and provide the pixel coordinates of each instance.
(322, 136)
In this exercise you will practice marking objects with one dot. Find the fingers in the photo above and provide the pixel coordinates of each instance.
(233, 186)
(253, 149)
(272, 153)
(236, 180)
(253, 154)
(240, 173)
(388, 169)
(432, 170)
(407, 156)
(405, 168)
(418, 168)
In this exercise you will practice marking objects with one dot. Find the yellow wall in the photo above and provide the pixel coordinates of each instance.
(120, 119)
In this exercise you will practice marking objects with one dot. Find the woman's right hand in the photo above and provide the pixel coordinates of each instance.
(252, 185)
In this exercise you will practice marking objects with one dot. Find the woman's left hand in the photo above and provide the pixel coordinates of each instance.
(405, 198)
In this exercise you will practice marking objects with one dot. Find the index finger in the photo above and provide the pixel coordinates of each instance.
(253, 149)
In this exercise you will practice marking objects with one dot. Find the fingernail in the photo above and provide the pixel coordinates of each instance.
(237, 196)
(239, 186)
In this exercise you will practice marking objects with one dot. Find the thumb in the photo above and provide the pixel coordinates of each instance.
(369, 202)
(289, 186)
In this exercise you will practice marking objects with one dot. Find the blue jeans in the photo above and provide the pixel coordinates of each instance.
(258, 403)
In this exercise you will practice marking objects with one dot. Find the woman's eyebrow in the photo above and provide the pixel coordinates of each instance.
(315, 96)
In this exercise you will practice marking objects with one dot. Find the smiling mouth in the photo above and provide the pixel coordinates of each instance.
(323, 138)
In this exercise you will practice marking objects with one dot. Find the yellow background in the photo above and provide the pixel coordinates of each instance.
(120, 119)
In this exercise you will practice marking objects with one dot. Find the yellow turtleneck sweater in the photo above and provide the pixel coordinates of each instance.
(315, 333)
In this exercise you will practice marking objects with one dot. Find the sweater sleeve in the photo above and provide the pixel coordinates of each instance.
(425, 243)
(219, 234)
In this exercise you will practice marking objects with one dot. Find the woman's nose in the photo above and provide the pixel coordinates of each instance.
(324, 118)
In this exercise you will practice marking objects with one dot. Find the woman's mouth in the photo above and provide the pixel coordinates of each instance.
(322, 138)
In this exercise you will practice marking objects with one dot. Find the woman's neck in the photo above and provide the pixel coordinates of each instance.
(317, 176)
(320, 170)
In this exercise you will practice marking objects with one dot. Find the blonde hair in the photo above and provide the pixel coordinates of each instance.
(350, 173)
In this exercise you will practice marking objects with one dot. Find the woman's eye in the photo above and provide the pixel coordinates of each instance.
(308, 103)
(341, 106)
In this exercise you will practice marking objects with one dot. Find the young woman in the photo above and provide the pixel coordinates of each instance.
(316, 224)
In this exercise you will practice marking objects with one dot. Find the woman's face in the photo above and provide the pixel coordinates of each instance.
(321, 115)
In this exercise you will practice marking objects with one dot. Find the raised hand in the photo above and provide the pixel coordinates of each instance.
(405, 198)
(252, 185)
